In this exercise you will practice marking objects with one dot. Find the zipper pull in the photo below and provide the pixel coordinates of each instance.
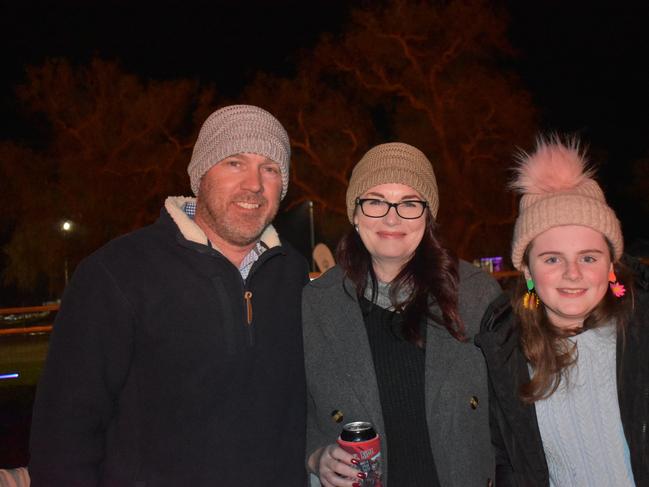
(248, 298)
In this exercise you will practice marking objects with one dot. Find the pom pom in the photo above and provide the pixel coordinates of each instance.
(553, 166)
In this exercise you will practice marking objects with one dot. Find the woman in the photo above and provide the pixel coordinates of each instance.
(567, 355)
(387, 336)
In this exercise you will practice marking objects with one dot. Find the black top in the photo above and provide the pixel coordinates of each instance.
(400, 368)
(154, 375)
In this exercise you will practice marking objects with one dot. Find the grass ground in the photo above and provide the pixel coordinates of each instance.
(24, 355)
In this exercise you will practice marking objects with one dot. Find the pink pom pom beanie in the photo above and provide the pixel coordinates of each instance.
(556, 190)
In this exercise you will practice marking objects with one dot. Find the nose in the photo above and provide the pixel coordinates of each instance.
(252, 180)
(572, 271)
(392, 218)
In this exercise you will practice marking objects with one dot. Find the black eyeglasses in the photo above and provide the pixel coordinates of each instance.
(409, 210)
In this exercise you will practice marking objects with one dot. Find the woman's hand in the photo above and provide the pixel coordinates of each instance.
(334, 467)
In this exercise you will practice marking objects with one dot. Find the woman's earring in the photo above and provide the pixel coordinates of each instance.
(531, 299)
(617, 289)
(356, 228)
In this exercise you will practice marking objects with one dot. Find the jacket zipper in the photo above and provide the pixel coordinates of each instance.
(247, 297)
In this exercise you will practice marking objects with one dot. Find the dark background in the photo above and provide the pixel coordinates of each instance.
(583, 63)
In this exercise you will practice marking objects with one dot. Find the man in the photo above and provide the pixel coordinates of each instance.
(176, 357)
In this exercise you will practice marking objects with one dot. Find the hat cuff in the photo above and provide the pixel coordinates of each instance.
(390, 175)
(258, 144)
(565, 210)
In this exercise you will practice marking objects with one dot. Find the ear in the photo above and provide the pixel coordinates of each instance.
(527, 273)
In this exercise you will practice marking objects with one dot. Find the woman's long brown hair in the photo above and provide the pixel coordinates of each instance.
(431, 276)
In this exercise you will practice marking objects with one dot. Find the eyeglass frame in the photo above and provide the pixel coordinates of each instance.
(424, 205)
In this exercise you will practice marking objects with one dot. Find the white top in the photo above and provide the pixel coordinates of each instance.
(580, 423)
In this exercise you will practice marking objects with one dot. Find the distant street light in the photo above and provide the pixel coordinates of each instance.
(66, 228)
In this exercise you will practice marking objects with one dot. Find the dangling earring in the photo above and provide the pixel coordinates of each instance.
(617, 289)
(531, 299)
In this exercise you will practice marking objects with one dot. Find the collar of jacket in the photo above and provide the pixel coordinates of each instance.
(499, 341)
(193, 233)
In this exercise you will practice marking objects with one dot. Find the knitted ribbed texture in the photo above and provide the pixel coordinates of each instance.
(580, 423)
(549, 199)
(400, 376)
(238, 129)
(394, 162)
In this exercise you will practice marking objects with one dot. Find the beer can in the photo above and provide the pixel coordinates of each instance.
(361, 440)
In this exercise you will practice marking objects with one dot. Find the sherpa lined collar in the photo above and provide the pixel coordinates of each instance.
(192, 232)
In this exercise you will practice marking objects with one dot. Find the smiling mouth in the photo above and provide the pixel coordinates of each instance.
(248, 206)
(571, 292)
(390, 234)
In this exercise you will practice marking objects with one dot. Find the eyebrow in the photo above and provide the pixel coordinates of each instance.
(403, 198)
(585, 251)
(240, 156)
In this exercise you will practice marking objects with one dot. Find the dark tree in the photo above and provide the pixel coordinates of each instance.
(115, 147)
(433, 75)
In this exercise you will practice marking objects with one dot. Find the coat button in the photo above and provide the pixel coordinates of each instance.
(337, 416)
(474, 402)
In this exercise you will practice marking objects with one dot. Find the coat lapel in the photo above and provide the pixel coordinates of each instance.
(507, 370)
(351, 350)
(440, 355)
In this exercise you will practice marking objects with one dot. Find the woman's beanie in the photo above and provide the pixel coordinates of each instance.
(394, 162)
(557, 189)
(238, 129)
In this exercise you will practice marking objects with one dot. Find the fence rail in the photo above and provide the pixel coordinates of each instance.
(23, 329)
(29, 309)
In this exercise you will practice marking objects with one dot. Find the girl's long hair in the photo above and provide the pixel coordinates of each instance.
(430, 277)
(545, 345)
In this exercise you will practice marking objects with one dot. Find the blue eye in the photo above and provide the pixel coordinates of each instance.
(551, 260)
(589, 259)
(373, 202)
(409, 204)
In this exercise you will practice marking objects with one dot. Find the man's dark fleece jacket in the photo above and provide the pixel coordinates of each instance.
(166, 368)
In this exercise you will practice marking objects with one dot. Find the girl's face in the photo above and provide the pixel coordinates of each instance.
(570, 265)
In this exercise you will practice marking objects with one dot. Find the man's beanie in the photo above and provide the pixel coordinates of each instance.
(394, 162)
(237, 129)
(557, 189)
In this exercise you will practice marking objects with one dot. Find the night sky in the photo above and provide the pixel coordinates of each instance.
(585, 65)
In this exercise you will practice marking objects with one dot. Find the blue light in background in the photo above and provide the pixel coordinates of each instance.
(15, 375)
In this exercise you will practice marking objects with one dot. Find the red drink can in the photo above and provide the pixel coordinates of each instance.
(361, 440)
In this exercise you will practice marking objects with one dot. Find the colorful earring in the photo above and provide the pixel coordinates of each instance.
(531, 299)
(617, 289)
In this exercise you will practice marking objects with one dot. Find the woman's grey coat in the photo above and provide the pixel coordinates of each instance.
(341, 377)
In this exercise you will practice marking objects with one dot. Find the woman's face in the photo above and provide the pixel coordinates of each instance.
(390, 240)
(570, 266)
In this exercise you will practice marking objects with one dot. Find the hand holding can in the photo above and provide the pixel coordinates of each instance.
(361, 440)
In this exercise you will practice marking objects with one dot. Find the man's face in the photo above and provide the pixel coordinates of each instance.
(239, 197)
